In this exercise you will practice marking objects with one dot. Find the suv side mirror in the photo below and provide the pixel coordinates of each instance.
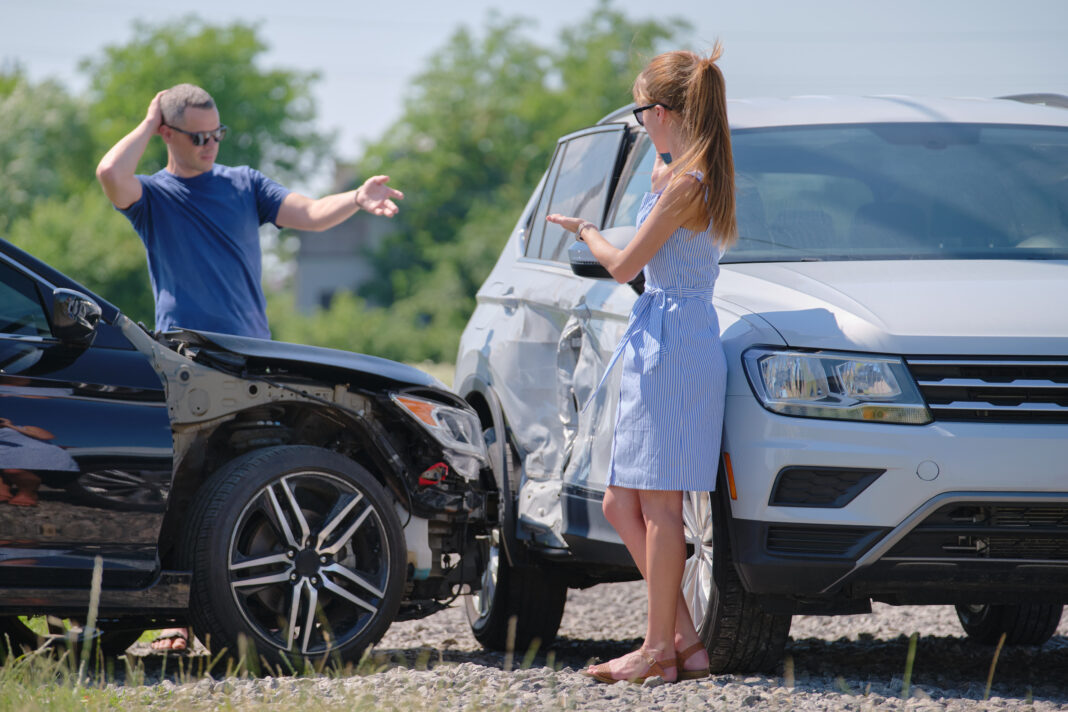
(584, 264)
(74, 316)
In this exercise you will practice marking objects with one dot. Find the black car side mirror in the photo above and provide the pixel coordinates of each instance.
(74, 316)
(584, 264)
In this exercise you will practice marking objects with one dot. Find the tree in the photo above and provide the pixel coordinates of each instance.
(50, 203)
(269, 112)
(478, 130)
(87, 239)
(45, 145)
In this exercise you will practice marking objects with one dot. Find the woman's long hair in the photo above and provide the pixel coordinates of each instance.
(693, 86)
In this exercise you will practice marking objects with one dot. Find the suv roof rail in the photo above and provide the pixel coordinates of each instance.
(1046, 99)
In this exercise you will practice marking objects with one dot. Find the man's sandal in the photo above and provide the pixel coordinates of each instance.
(602, 673)
(685, 655)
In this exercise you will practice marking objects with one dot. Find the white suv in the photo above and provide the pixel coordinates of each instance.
(895, 319)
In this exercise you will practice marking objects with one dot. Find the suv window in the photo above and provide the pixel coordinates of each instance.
(586, 164)
(20, 307)
(537, 220)
(636, 180)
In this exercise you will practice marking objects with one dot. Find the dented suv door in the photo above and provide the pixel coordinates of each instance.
(557, 359)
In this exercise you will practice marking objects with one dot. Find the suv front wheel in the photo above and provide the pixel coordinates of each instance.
(738, 634)
(516, 606)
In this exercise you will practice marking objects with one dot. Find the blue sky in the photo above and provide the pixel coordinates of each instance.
(367, 52)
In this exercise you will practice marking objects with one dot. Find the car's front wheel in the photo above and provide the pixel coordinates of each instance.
(1023, 624)
(738, 634)
(296, 550)
(516, 606)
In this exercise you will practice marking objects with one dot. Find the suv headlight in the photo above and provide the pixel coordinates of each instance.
(827, 384)
(458, 431)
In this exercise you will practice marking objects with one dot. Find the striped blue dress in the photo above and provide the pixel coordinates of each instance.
(671, 393)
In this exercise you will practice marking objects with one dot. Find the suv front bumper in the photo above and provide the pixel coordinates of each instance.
(954, 509)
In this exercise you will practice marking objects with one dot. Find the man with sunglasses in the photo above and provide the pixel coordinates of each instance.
(200, 220)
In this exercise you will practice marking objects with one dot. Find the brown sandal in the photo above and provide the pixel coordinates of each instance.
(656, 669)
(683, 656)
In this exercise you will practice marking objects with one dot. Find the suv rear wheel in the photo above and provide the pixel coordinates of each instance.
(1024, 624)
(297, 550)
(737, 633)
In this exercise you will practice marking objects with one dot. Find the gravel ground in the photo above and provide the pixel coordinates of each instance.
(843, 663)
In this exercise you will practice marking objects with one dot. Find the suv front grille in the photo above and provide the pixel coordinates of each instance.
(989, 531)
(994, 390)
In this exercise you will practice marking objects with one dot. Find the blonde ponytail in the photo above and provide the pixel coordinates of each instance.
(694, 86)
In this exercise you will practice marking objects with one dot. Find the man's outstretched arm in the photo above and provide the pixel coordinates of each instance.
(117, 169)
(304, 213)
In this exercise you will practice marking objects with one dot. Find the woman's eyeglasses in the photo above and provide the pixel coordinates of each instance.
(200, 138)
(640, 109)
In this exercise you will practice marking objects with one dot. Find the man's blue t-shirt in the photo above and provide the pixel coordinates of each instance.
(203, 244)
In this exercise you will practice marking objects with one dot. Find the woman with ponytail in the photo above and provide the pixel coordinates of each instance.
(671, 396)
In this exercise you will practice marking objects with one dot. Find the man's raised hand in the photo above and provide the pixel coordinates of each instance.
(377, 198)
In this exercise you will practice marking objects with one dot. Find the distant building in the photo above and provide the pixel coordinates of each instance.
(336, 259)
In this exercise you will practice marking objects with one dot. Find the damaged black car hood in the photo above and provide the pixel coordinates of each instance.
(313, 361)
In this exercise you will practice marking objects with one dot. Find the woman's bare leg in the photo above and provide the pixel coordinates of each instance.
(622, 507)
(665, 557)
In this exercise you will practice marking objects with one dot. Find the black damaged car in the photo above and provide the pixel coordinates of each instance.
(298, 498)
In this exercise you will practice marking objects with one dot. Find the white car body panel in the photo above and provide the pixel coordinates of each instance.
(541, 336)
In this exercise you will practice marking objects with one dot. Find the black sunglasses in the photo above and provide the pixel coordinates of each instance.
(201, 137)
(640, 109)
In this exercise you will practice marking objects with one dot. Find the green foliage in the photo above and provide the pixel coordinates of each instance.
(45, 147)
(478, 130)
(269, 112)
(50, 203)
(89, 241)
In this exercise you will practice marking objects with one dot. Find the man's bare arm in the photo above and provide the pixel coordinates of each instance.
(117, 169)
(304, 213)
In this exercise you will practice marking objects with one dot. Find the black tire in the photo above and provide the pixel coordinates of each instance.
(1024, 624)
(738, 634)
(534, 597)
(313, 594)
(16, 637)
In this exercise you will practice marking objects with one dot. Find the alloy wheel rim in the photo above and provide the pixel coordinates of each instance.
(697, 571)
(482, 599)
(308, 562)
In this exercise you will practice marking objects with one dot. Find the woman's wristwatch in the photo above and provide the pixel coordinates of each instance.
(582, 226)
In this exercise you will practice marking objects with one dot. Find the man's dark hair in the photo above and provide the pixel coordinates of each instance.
(178, 98)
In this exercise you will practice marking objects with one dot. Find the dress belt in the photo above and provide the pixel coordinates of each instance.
(649, 308)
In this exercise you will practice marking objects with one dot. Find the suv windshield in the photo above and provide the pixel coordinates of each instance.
(901, 191)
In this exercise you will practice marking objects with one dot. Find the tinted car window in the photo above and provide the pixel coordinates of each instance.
(20, 308)
(919, 191)
(585, 168)
(537, 222)
(636, 182)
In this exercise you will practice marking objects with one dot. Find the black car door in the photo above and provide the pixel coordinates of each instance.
(85, 448)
